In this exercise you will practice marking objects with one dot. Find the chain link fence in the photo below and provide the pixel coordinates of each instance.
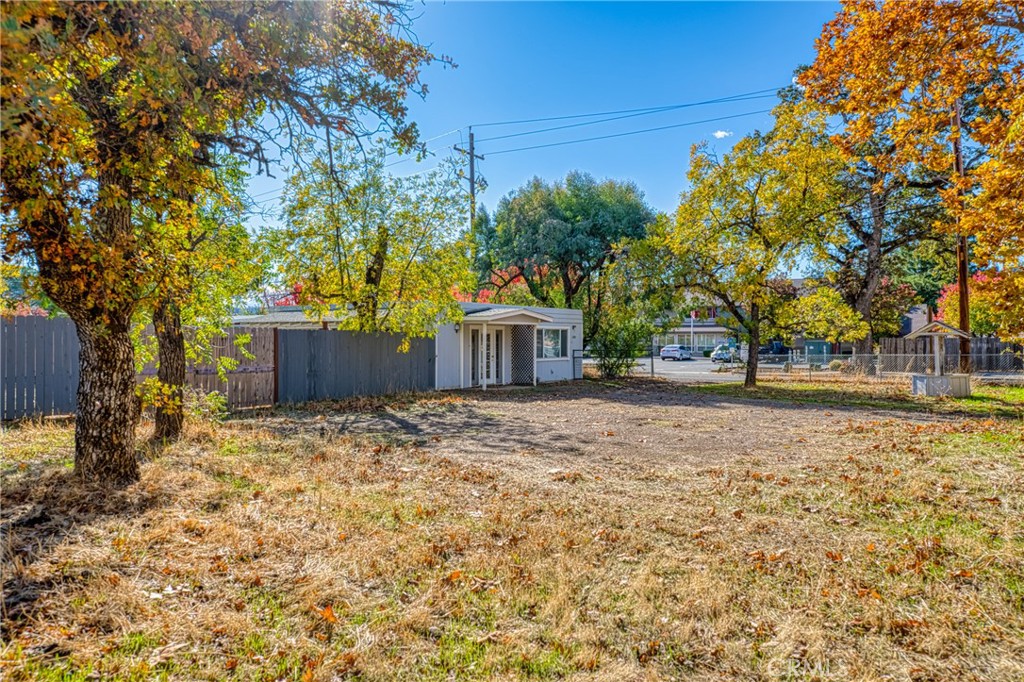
(1006, 367)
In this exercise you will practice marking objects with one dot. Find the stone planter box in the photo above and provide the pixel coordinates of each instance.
(955, 385)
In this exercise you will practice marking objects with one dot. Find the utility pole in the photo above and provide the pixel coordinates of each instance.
(961, 248)
(473, 156)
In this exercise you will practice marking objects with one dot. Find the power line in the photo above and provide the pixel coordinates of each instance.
(413, 158)
(632, 132)
(625, 111)
(617, 118)
(438, 137)
(615, 115)
(261, 202)
(427, 151)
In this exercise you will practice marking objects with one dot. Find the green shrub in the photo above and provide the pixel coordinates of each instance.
(836, 365)
(205, 407)
(617, 345)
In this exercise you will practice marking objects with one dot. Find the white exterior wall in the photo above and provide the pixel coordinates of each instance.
(557, 369)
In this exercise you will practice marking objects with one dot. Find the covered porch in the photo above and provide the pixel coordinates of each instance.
(498, 347)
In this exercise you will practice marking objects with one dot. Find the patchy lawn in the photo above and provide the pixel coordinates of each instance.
(892, 394)
(641, 531)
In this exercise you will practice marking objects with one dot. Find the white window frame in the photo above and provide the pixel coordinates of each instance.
(566, 351)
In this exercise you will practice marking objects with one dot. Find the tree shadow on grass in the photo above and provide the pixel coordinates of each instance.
(418, 424)
(39, 512)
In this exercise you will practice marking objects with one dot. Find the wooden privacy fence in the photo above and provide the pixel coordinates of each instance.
(39, 368)
(39, 363)
(988, 354)
(315, 364)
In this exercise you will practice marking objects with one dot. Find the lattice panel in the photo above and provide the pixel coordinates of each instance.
(522, 338)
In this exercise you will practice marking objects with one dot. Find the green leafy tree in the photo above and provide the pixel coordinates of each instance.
(881, 213)
(216, 264)
(926, 267)
(818, 312)
(750, 215)
(388, 249)
(112, 110)
(559, 237)
(882, 207)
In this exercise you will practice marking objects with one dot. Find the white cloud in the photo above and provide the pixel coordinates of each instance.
(719, 134)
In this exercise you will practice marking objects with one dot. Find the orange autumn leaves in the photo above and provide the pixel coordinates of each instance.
(897, 70)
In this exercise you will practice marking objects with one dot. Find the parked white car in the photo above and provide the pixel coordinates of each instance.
(724, 354)
(675, 352)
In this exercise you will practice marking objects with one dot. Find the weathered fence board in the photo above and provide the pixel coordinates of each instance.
(251, 383)
(988, 354)
(39, 361)
(319, 364)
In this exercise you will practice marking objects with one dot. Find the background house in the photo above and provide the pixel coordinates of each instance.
(492, 345)
(699, 334)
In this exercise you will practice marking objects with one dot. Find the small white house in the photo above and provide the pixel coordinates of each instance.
(492, 345)
(504, 344)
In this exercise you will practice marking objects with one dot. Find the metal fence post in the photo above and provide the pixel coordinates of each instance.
(653, 344)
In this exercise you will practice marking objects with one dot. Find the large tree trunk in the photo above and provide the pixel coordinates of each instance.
(750, 380)
(108, 406)
(171, 372)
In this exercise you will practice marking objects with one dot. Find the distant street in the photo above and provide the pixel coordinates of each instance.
(698, 370)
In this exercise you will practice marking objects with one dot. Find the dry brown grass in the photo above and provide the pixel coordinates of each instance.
(874, 549)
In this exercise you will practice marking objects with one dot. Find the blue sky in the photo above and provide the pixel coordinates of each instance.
(522, 60)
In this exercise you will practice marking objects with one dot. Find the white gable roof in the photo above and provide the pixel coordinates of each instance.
(499, 314)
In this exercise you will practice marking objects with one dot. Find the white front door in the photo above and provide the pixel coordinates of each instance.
(488, 360)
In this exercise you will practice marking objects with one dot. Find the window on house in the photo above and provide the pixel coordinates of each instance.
(552, 343)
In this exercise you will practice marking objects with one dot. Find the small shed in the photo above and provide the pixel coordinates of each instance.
(956, 385)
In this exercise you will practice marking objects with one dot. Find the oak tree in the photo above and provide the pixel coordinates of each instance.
(903, 69)
(115, 108)
(747, 219)
(559, 237)
(216, 263)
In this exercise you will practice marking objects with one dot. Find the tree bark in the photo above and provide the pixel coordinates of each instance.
(750, 379)
(170, 417)
(368, 305)
(108, 407)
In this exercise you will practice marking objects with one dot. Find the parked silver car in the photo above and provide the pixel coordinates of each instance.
(675, 352)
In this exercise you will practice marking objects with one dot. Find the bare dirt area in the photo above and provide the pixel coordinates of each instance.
(627, 425)
(639, 530)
